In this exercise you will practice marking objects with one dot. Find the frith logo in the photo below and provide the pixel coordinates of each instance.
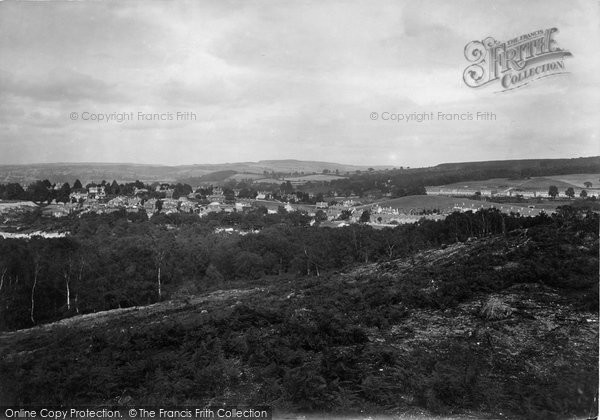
(516, 62)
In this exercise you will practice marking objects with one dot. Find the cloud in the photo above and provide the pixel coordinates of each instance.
(292, 80)
(58, 85)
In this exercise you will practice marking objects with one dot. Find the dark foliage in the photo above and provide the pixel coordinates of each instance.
(310, 350)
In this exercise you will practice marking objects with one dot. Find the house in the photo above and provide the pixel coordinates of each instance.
(591, 192)
(241, 206)
(461, 191)
(163, 188)
(219, 198)
(377, 209)
(133, 202)
(166, 189)
(95, 192)
(117, 202)
(77, 196)
(215, 206)
(150, 205)
(170, 205)
(263, 195)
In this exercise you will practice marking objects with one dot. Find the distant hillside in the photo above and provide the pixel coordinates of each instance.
(128, 172)
(211, 177)
(87, 172)
(579, 180)
(504, 183)
(437, 175)
(557, 166)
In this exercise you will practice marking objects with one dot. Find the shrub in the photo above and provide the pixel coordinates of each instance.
(495, 309)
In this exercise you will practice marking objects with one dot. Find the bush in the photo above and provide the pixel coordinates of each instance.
(495, 309)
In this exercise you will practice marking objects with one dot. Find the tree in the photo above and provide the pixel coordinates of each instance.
(345, 215)
(71, 268)
(587, 184)
(64, 193)
(77, 185)
(365, 217)
(320, 216)
(553, 191)
(114, 188)
(181, 190)
(286, 188)
(14, 191)
(248, 265)
(583, 194)
(38, 191)
(569, 192)
(161, 243)
(36, 256)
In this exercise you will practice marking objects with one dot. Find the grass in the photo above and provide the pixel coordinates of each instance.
(245, 175)
(544, 184)
(561, 181)
(579, 179)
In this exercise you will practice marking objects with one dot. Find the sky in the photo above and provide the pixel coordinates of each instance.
(309, 80)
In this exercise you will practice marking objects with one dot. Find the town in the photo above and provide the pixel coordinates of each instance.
(328, 207)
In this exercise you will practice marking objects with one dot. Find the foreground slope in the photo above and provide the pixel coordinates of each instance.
(503, 325)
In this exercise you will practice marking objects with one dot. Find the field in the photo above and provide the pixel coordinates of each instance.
(315, 177)
(259, 179)
(562, 182)
(543, 183)
(16, 205)
(267, 181)
(578, 179)
(244, 176)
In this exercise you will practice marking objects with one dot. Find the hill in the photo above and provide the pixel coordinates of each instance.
(579, 180)
(127, 172)
(530, 166)
(535, 183)
(212, 177)
(500, 326)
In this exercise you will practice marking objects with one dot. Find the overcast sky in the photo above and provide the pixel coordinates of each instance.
(286, 80)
